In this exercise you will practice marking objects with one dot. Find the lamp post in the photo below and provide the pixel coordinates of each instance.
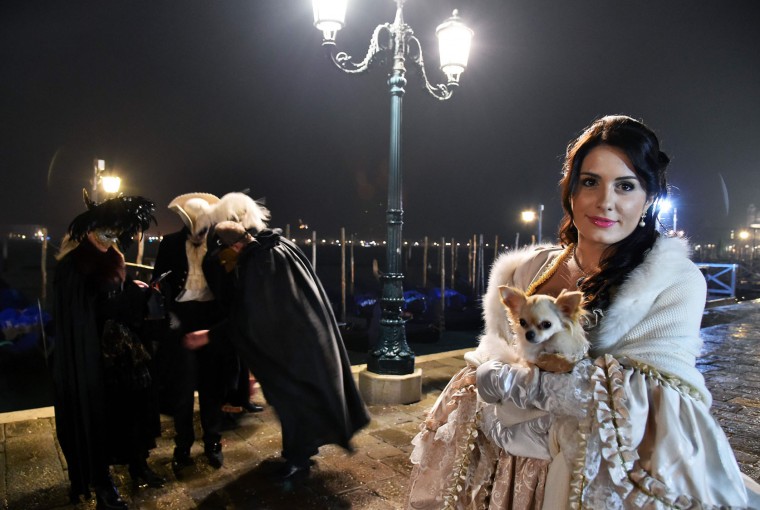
(395, 42)
(529, 216)
(98, 167)
(743, 236)
(675, 220)
(665, 207)
(754, 227)
(100, 175)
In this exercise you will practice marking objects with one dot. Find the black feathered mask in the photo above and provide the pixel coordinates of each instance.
(123, 216)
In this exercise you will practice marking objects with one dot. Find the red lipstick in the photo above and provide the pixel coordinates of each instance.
(601, 222)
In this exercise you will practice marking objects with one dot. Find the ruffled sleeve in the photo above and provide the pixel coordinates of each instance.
(651, 444)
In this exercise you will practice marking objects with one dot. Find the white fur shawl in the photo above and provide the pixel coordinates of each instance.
(654, 317)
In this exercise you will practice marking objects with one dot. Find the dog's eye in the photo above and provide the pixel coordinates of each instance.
(545, 325)
(523, 323)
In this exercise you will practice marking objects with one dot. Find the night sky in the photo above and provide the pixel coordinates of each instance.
(219, 96)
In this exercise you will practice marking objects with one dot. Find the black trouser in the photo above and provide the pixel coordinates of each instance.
(240, 392)
(205, 369)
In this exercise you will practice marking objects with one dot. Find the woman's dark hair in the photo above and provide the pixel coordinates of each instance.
(641, 146)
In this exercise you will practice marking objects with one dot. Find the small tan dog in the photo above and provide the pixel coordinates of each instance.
(548, 330)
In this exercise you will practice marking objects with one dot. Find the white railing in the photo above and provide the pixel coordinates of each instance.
(720, 278)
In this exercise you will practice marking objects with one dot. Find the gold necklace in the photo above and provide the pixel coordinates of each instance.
(546, 275)
(577, 263)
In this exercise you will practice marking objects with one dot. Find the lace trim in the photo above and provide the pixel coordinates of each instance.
(549, 272)
(462, 464)
(578, 472)
(614, 430)
(665, 379)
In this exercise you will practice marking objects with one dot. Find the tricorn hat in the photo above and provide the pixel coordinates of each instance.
(191, 206)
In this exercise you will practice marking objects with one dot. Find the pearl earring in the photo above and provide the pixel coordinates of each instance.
(642, 223)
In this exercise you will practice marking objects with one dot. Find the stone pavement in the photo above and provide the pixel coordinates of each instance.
(32, 469)
(33, 476)
(730, 362)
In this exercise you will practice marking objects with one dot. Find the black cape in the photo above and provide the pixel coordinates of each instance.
(283, 326)
(98, 423)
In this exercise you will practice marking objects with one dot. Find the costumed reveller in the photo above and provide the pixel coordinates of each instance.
(191, 305)
(627, 427)
(106, 410)
(283, 326)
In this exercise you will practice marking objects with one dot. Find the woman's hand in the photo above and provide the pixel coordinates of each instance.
(497, 381)
(525, 439)
(529, 387)
(196, 339)
(141, 284)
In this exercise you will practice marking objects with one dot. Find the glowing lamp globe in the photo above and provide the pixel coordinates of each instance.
(111, 183)
(454, 40)
(329, 17)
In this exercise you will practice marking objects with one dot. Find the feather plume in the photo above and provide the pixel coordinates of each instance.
(126, 215)
(241, 208)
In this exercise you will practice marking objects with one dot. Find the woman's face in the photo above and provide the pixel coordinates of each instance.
(609, 199)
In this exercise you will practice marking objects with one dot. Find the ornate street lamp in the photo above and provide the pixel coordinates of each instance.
(111, 183)
(530, 216)
(101, 175)
(395, 43)
(98, 167)
(664, 207)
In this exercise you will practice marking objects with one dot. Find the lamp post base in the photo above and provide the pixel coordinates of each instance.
(391, 354)
(390, 389)
(394, 365)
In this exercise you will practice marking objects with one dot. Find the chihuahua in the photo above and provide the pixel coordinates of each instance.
(545, 326)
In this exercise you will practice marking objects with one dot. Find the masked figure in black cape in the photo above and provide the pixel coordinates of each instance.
(191, 306)
(284, 328)
(106, 411)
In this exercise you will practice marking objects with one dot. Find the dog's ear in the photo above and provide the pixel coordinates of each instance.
(512, 297)
(570, 303)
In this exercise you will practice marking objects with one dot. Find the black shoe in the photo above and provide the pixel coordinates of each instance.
(181, 458)
(144, 476)
(250, 407)
(214, 455)
(108, 498)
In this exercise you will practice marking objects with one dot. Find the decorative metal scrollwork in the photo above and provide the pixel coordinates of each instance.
(375, 53)
(441, 92)
(400, 41)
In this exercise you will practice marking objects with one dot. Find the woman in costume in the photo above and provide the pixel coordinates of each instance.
(627, 427)
(106, 411)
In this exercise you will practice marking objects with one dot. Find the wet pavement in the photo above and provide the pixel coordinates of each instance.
(33, 471)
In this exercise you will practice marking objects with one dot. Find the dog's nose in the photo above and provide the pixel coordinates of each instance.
(530, 335)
